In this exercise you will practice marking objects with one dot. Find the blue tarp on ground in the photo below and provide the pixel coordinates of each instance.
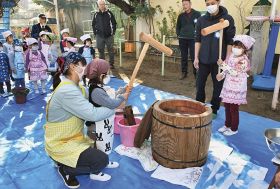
(24, 163)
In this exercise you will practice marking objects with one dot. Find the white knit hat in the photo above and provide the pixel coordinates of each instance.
(7, 34)
(85, 37)
(66, 30)
(31, 41)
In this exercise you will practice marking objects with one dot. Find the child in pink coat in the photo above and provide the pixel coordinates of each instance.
(234, 89)
(36, 65)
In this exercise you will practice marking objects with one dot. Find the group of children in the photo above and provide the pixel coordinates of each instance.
(37, 57)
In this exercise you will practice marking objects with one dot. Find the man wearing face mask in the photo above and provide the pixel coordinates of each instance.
(41, 26)
(185, 30)
(207, 51)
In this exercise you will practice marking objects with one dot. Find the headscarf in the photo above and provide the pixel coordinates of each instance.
(96, 68)
(71, 58)
(246, 40)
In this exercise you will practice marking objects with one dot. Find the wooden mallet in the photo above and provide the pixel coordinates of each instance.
(149, 40)
(217, 27)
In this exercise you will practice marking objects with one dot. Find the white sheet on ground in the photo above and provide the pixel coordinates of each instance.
(143, 154)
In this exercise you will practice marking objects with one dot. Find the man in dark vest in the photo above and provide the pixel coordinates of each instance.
(41, 26)
(185, 30)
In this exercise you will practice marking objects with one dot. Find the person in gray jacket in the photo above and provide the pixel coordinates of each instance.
(104, 27)
(185, 30)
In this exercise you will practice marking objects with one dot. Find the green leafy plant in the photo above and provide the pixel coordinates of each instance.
(147, 12)
(168, 28)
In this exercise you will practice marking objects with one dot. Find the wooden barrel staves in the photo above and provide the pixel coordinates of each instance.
(181, 132)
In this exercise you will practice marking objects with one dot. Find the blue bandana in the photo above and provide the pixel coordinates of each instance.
(71, 58)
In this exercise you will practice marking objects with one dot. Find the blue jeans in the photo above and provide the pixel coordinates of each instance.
(19, 82)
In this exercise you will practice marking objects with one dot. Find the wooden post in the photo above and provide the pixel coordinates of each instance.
(120, 49)
(163, 56)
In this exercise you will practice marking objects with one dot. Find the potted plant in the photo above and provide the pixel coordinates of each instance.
(20, 94)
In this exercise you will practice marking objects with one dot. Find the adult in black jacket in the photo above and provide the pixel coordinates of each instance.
(207, 51)
(104, 27)
(41, 26)
(185, 30)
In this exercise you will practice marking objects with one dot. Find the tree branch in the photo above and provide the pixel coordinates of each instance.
(127, 8)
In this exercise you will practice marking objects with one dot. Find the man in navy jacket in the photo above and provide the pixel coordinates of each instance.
(41, 26)
(207, 51)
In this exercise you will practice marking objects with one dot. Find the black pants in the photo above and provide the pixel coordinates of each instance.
(8, 85)
(203, 72)
(90, 161)
(186, 46)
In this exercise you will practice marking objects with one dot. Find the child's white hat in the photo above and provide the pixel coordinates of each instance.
(247, 40)
(42, 33)
(72, 39)
(85, 37)
(66, 30)
(7, 34)
(31, 41)
(45, 33)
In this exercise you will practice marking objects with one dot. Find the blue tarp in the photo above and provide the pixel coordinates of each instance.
(24, 163)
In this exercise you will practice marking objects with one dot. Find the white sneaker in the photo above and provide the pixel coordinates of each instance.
(112, 164)
(229, 132)
(10, 93)
(37, 91)
(100, 177)
(223, 129)
(4, 95)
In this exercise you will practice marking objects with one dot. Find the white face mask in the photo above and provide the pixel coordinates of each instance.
(18, 48)
(237, 52)
(35, 47)
(212, 9)
(106, 80)
(1, 49)
(80, 72)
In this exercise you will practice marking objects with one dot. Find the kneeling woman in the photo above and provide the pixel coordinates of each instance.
(64, 139)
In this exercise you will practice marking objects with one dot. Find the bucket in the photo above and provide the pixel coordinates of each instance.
(128, 132)
(118, 117)
(20, 99)
(181, 132)
(20, 94)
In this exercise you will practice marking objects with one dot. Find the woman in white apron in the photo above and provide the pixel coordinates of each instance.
(65, 142)
(96, 72)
